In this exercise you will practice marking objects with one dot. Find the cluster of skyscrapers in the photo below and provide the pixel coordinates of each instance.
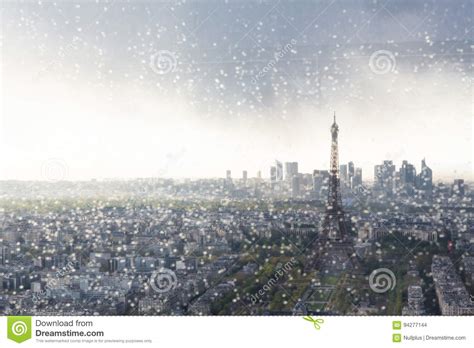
(404, 181)
(286, 177)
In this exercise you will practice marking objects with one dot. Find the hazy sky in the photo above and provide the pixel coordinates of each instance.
(139, 89)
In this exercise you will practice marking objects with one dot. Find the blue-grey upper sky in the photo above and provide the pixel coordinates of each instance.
(96, 89)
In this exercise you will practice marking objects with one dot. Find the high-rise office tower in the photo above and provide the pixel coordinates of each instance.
(377, 175)
(350, 172)
(273, 175)
(321, 184)
(407, 178)
(425, 179)
(385, 177)
(343, 173)
(279, 170)
(458, 188)
(407, 173)
(244, 177)
(295, 185)
(357, 178)
(291, 169)
(228, 184)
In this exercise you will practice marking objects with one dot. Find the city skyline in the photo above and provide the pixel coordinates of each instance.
(59, 171)
(56, 169)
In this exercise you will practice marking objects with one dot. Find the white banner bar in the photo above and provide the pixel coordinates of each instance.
(236, 331)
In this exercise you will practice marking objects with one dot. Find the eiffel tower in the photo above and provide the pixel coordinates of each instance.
(336, 251)
(333, 255)
(334, 227)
